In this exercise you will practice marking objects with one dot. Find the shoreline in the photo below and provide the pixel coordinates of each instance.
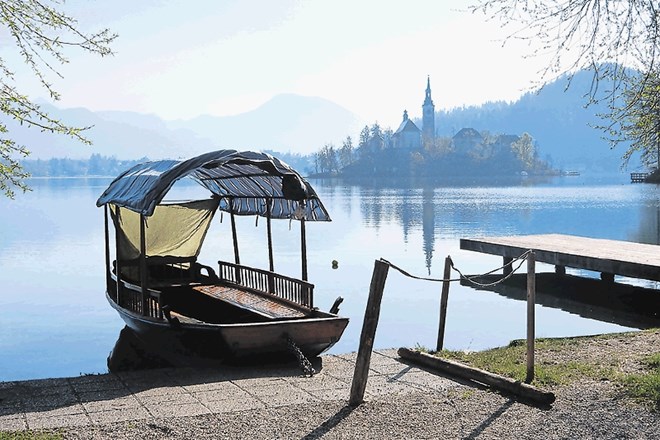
(402, 401)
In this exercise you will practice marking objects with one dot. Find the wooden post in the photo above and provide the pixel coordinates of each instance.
(368, 334)
(237, 258)
(143, 264)
(507, 270)
(531, 300)
(108, 277)
(271, 266)
(443, 304)
(117, 255)
(270, 237)
(303, 249)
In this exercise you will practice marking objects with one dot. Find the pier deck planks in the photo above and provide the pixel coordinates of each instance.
(613, 257)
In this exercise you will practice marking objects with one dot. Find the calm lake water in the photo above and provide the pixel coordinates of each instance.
(56, 321)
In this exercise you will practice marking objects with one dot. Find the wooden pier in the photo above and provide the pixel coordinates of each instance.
(638, 177)
(609, 257)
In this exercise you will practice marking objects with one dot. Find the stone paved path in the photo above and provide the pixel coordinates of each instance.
(150, 394)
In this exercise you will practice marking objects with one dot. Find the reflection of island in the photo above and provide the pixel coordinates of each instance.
(621, 304)
(411, 207)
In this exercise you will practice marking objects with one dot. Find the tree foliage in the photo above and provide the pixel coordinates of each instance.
(608, 37)
(42, 35)
(637, 120)
(616, 40)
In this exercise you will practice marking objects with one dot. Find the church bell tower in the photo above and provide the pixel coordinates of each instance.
(428, 113)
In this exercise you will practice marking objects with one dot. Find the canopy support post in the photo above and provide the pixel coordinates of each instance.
(107, 246)
(143, 264)
(237, 258)
(270, 236)
(118, 258)
(271, 278)
(303, 249)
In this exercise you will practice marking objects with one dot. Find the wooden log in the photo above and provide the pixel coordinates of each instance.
(443, 304)
(495, 381)
(368, 334)
(531, 302)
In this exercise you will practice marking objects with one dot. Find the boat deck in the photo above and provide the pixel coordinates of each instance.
(610, 257)
(271, 308)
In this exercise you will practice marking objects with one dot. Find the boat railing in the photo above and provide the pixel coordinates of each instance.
(290, 289)
(130, 298)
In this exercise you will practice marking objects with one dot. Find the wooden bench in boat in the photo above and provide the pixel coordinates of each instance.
(272, 308)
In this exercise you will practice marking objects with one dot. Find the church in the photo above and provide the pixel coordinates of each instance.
(408, 136)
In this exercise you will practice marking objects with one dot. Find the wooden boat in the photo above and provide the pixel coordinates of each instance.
(160, 289)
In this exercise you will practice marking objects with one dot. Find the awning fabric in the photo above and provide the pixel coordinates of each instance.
(243, 181)
(174, 230)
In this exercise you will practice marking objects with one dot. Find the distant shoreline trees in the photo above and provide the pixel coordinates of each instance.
(467, 152)
(96, 165)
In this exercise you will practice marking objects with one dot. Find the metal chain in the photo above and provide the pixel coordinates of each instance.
(304, 363)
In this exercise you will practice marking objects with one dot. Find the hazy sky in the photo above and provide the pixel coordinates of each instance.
(179, 59)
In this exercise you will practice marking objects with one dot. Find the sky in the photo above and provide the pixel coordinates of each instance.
(180, 59)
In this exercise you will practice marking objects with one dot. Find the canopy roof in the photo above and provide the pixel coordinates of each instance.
(244, 182)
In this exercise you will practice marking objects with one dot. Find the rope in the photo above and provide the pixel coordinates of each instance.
(470, 279)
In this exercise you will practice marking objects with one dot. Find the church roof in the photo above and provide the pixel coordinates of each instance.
(407, 125)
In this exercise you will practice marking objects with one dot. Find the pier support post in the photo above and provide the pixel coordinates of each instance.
(531, 300)
(507, 270)
(368, 332)
(443, 304)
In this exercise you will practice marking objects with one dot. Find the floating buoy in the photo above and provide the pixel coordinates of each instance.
(335, 264)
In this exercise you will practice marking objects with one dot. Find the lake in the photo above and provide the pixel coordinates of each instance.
(56, 321)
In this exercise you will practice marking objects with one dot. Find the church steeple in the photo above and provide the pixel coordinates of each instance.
(428, 113)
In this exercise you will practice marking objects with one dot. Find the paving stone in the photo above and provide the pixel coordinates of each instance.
(119, 404)
(40, 422)
(231, 405)
(233, 392)
(101, 417)
(185, 410)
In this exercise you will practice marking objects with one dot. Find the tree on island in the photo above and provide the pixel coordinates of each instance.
(619, 41)
(41, 35)
(477, 153)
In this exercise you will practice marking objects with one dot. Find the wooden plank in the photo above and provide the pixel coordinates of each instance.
(625, 258)
(268, 307)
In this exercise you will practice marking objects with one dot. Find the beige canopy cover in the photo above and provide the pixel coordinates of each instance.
(174, 230)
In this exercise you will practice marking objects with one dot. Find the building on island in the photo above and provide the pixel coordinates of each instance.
(408, 136)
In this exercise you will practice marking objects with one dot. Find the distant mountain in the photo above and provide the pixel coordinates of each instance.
(124, 135)
(555, 117)
(286, 123)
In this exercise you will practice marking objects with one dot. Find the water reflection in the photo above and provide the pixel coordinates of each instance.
(460, 208)
(139, 352)
(616, 303)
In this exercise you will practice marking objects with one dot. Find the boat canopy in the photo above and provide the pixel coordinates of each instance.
(175, 230)
(246, 183)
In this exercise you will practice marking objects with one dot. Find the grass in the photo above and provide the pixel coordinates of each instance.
(646, 386)
(510, 361)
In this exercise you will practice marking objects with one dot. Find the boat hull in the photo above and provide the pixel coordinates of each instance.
(313, 335)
